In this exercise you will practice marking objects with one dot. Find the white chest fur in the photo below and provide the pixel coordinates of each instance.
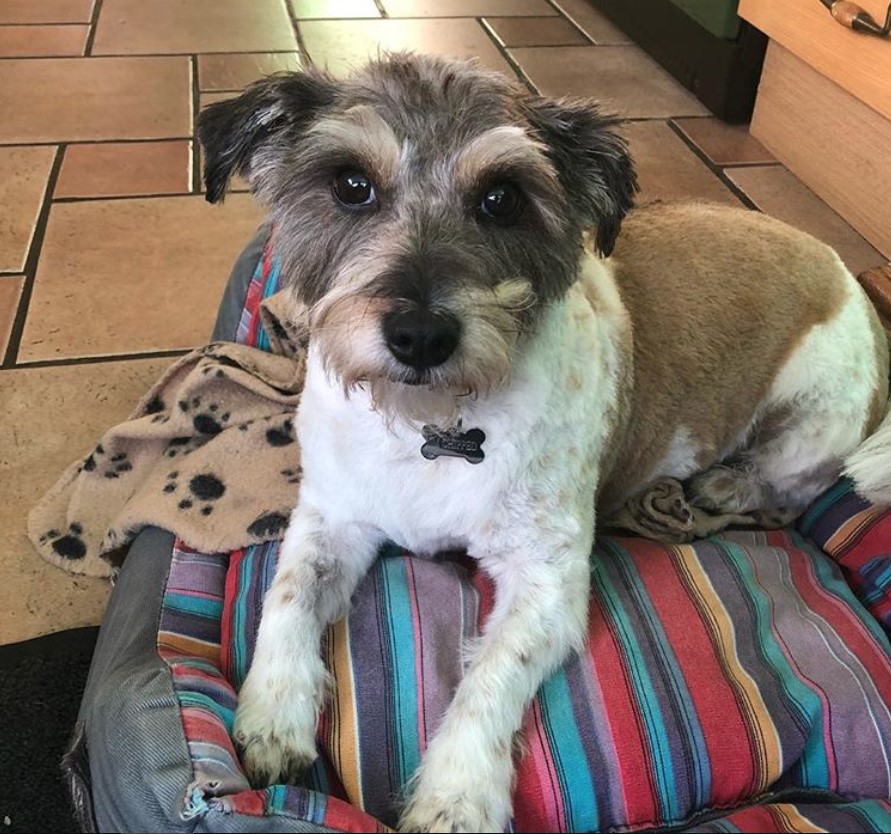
(544, 434)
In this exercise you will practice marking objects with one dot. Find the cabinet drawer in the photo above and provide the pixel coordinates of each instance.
(860, 64)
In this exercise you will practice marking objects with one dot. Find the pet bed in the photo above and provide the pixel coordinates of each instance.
(739, 684)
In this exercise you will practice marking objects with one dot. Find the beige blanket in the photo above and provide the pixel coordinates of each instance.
(210, 454)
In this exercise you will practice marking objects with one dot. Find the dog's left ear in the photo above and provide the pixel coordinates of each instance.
(592, 161)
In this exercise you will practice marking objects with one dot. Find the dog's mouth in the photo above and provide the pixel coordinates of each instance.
(415, 378)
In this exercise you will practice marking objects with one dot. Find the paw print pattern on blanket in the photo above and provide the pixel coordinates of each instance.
(203, 490)
(184, 445)
(281, 435)
(268, 525)
(69, 545)
(292, 475)
(108, 466)
(209, 420)
(155, 405)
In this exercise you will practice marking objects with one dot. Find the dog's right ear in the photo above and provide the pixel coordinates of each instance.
(271, 112)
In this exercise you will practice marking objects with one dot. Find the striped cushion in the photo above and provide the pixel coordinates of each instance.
(858, 536)
(732, 685)
(735, 669)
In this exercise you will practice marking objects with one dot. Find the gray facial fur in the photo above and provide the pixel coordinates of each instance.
(433, 135)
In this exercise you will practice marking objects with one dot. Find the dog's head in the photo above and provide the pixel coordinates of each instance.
(426, 210)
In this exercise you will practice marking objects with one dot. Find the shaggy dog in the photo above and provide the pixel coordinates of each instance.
(490, 359)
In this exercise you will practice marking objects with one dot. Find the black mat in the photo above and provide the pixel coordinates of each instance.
(41, 683)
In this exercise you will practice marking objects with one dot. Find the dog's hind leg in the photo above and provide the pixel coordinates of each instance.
(278, 705)
(781, 471)
(822, 403)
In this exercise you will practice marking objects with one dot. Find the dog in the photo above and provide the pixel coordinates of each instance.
(490, 360)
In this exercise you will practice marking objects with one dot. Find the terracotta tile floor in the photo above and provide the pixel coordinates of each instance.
(105, 238)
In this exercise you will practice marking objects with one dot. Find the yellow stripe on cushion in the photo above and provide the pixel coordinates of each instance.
(765, 741)
(180, 644)
(345, 743)
(851, 529)
(790, 818)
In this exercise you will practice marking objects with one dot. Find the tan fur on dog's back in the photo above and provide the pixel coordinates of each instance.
(718, 299)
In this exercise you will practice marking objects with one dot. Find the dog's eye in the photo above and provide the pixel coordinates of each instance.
(354, 189)
(502, 203)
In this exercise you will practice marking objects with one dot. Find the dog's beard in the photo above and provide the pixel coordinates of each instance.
(347, 332)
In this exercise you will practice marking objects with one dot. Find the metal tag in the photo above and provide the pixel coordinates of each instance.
(453, 443)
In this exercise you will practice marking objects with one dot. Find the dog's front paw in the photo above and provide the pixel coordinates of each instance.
(275, 729)
(458, 790)
(452, 814)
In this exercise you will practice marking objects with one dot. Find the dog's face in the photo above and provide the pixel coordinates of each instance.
(425, 210)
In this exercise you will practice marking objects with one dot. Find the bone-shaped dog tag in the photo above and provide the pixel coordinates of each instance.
(453, 443)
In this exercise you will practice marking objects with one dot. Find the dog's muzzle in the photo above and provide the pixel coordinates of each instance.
(421, 339)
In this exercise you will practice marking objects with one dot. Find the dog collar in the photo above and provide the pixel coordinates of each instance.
(453, 443)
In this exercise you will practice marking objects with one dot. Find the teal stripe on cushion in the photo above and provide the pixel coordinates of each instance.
(198, 606)
(682, 701)
(813, 766)
(401, 643)
(275, 798)
(874, 813)
(878, 573)
(269, 288)
(240, 632)
(824, 502)
(831, 579)
(645, 695)
(303, 804)
(197, 699)
(570, 758)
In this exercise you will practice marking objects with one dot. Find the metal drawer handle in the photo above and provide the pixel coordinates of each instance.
(856, 18)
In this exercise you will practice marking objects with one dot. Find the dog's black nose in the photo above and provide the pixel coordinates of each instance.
(420, 338)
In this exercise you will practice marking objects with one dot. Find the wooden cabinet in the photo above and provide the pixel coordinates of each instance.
(824, 108)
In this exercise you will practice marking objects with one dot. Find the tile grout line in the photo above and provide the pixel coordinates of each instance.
(52, 144)
(298, 35)
(30, 271)
(155, 54)
(94, 23)
(775, 163)
(565, 15)
(194, 154)
(717, 170)
(45, 24)
(156, 195)
(519, 72)
(100, 359)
